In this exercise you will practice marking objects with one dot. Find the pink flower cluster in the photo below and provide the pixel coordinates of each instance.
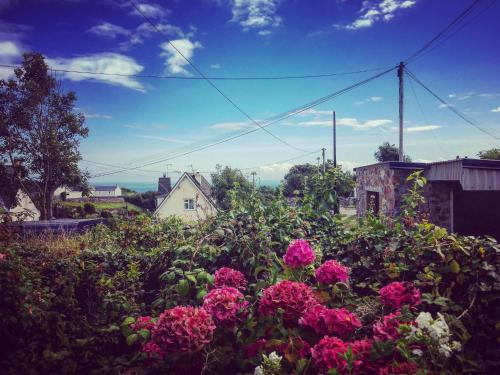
(397, 294)
(182, 329)
(331, 272)
(340, 322)
(405, 368)
(293, 297)
(387, 328)
(143, 322)
(226, 305)
(299, 254)
(329, 353)
(226, 276)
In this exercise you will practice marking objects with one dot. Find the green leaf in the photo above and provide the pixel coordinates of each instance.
(455, 266)
(183, 287)
(128, 321)
(132, 339)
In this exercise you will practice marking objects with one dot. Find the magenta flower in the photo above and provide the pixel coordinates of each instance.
(143, 322)
(226, 276)
(329, 353)
(387, 328)
(299, 254)
(331, 272)
(340, 322)
(397, 294)
(225, 305)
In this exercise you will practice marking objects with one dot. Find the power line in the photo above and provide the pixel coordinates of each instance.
(215, 78)
(243, 112)
(281, 161)
(454, 22)
(271, 121)
(450, 107)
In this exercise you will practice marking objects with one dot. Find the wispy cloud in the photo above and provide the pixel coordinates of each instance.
(368, 100)
(354, 123)
(442, 106)
(258, 15)
(163, 139)
(108, 30)
(473, 94)
(10, 53)
(232, 126)
(496, 110)
(371, 13)
(105, 62)
(89, 115)
(422, 128)
(215, 66)
(175, 61)
(150, 10)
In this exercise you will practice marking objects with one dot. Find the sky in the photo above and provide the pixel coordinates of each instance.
(146, 124)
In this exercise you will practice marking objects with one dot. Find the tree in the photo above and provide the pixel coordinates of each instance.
(388, 152)
(39, 128)
(295, 179)
(492, 154)
(267, 193)
(223, 180)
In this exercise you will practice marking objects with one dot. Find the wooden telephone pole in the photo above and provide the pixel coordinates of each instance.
(334, 141)
(324, 166)
(401, 105)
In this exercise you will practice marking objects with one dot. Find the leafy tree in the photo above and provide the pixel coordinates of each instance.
(267, 193)
(39, 127)
(493, 154)
(146, 200)
(9, 185)
(388, 152)
(295, 179)
(223, 180)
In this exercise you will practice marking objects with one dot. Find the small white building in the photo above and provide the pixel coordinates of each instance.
(106, 191)
(70, 194)
(190, 199)
(25, 209)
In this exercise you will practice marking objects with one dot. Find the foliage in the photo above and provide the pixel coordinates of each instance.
(296, 179)
(40, 128)
(493, 154)
(223, 180)
(146, 200)
(94, 303)
(388, 152)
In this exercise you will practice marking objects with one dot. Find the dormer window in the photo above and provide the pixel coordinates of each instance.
(189, 204)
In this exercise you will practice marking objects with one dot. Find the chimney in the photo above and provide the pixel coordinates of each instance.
(197, 177)
(164, 185)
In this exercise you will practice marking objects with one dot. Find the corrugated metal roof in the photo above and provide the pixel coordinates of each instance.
(105, 188)
(472, 174)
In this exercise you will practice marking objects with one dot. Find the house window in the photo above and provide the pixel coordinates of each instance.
(373, 201)
(189, 204)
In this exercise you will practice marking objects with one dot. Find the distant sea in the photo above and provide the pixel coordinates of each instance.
(141, 187)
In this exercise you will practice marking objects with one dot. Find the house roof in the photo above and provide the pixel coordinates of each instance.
(204, 188)
(396, 165)
(105, 187)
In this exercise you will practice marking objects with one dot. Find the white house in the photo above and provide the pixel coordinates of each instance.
(106, 191)
(25, 209)
(190, 199)
(70, 194)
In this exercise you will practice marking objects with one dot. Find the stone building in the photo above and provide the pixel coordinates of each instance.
(462, 195)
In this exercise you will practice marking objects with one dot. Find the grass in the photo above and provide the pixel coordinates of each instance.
(105, 205)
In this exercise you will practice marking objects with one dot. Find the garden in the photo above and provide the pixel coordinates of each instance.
(263, 288)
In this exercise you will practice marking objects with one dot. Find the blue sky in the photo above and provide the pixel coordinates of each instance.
(134, 121)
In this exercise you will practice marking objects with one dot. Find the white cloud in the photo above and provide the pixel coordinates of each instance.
(163, 139)
(354, 123)
(496, 110)
(231, 126)
(256, 14)
(10, 54)
(96, 115)
(422, 128)
(106, 62)
(108, 30)
(215, 66)
(368, 100)
(376, 98)
(150, 10)
(371, 13)
(175, 62)
(442, 106)
(473, 94)
(277, 167)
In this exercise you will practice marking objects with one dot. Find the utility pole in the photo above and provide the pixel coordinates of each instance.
(168, 165)
(401, 105)
(334, 140)
(253, 179)
(323, 153)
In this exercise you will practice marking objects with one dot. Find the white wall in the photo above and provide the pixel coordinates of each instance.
(117, 192)
(25, 210)
(174, 205)
(70, 194)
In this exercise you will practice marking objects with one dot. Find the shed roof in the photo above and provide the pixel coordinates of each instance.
(395, 165)
(105, 187)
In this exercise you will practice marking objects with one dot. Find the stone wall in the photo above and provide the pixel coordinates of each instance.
(438, 203)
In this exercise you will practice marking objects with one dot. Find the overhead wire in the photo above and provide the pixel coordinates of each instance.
(273, 120)
(450, 107)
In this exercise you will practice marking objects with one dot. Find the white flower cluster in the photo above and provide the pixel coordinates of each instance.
(438, 332)
(271, 365)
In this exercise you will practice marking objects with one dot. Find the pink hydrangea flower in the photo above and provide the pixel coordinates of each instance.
(293, 297)
(226, 305)
(183, 329)
(405, 368)
(340, 322)
(153, 350)
(329, 353)
(387, 328)
(299, 254)
(397, 294)
(143, 322)
(331, 272)
(252, 350)
(226, 276)
(3, 257)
